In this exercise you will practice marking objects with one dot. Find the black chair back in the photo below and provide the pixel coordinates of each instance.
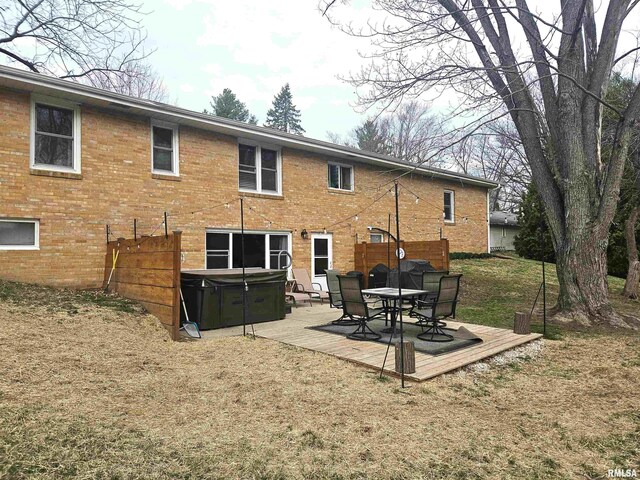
(333, 285)
(445, 304)
(353, 302)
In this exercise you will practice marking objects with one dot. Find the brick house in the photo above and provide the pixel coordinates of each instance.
(75, 158)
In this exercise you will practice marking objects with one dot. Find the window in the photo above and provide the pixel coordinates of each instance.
(55, 135)
(376, 238)
(19, 234)
(258, 168)
(340, 177)
(164, 148)
(504, 232)
(261, 249)
(449, 206)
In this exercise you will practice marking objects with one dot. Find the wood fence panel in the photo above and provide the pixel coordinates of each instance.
(148, 271)
(368, 255)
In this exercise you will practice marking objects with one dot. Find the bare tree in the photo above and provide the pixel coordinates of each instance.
(411, 132)
(548, 72)
(136, 79)
(73, 38)
(633, 273)
(495, 152)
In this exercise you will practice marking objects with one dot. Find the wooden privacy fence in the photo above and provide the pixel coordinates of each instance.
(368, 255)
(148, 271)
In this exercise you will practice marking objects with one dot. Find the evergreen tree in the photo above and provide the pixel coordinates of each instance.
(227, 105)
(533, 240)
(284, 115)
(373, 137)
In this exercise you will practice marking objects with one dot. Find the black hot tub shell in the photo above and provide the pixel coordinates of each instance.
(214, 297)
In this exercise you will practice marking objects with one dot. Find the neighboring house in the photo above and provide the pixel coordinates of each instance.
(74, 158)
(504, 227)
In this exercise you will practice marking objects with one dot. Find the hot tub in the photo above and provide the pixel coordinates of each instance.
(214, 297)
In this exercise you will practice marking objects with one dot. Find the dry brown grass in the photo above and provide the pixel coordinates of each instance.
(101, 393)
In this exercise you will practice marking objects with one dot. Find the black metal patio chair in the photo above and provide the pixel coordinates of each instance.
(335, 298)
(432, 312)
(356, 308)
(430, 283)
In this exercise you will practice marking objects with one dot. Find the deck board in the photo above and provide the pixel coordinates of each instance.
(293, 331)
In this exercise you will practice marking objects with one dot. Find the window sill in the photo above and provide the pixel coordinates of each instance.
(339, 191)
(449, 223)
(166, 176)
(271, 196)
(55, 173)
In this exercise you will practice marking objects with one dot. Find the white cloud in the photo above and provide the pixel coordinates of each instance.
(186, 88)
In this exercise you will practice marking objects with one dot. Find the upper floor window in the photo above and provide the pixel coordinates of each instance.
(259, 168)
(19, 234)
(449, 206)
(55, 135)
(164, 155)
(340, 177)
(376, 238)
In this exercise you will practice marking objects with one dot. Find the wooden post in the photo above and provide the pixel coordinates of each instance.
(177, 267)
(522, 323)
(409, 357)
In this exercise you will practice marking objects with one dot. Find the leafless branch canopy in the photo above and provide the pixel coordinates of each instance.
(73, 39)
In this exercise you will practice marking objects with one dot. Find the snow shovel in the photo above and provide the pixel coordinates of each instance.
(191, 328)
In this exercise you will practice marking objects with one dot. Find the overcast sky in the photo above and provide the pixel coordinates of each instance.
(254, 48)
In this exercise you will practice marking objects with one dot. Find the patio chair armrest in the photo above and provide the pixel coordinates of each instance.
(313, 284)
(429, 303)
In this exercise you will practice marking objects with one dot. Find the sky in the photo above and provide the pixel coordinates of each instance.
(254, 48)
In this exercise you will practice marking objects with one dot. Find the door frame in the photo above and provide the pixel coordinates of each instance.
(321, 279)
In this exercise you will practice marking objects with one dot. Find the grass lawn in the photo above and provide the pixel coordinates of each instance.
(91, 387)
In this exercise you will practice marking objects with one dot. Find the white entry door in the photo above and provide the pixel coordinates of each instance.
(321, 257)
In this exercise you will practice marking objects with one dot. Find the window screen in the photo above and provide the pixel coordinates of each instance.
(53, 136)
(17, 234)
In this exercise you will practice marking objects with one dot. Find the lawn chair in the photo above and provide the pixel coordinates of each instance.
(294, 297)
(305, 285)
(430, 283)
(432, 312)
(356, 308)
(335, 298)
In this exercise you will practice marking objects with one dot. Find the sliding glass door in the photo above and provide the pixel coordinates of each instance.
(261, 249)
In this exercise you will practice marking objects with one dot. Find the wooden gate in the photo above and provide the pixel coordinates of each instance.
(368, 255)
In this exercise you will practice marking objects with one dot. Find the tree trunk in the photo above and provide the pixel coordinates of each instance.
(581, 265)
(633, 274)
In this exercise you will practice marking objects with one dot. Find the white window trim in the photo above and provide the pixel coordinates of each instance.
(259, 147)
(77, 141)
(175, 157)
(453, 207)
(353, 177)
(380, 235)
(230, 232)
(35, 246)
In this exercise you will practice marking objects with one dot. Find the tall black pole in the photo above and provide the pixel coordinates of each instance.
(244, 280)
(544, 291)
(399, 289)
(135, 229)
(166, 227)
(389, 243)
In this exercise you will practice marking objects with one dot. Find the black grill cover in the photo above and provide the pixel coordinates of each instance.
(410, 273)
(378, 276)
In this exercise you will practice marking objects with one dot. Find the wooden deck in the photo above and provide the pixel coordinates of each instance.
(293, 331)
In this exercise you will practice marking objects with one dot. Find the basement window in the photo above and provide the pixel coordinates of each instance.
(55, 135)
(19, 234)
(259, 168)
(164, 148)
(340, 177)
(449, 206)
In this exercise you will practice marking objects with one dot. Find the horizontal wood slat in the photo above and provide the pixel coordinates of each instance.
(368, 255)
(148, 270)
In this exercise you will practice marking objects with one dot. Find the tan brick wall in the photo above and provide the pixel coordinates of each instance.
(117, 186)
